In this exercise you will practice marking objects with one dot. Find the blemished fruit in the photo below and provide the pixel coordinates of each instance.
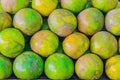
(28, 21)
(112, 22)
(75, 44)
(11, 42)
(89, 66)
(44, 7)
(90, 21)
(112, 67)
(5, 67)
(104, 44)
(73, 5)
(5, 20)
(12, 6)
(44, 42)
(28, 65)
(59, 66)
(105, 5)
(62, 22)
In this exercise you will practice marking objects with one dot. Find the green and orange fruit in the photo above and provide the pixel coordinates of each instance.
(28, 65)
(28, 21)
(5, 20)
(44, 7)
(104, 44)
(105, 5)
(75, 45)
(112, 67)
(5, 67)
(90, 21)
(59, 66)
(112, 22)
(89, 66)
(62, 22)
(73, 5)
(12, 42)
(44, 42)
(12, 6)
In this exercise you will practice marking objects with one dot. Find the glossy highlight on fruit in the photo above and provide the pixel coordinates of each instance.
(59, 66)
(11, 42)
(104, 44)
(112, 22)
(89, 66)
(62, 22)
(44, 7)
(75, 44)
(28, 21)
(28, 65)
(12, 6)
(44, 43)
(90, 21)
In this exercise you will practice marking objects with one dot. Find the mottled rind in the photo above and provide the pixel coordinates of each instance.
(5, 67)
(75, 45)
(58, 66)
(11, 42)
(12, 6)
(44, 7)
(28, 66)
(73, 5)
(44, 42)
(112, 22)
(112, 67)
(89, 66)
(62, 22)
(90, 21)
(105, 5)
(104, 44)
(5, 20)
(28, 21)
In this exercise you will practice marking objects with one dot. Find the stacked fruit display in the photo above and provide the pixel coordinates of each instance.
(59, 39)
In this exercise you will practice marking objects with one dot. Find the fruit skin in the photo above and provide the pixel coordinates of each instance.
(73, 5)
(62, 22)
(12, 6)
(112, 21)
(75, 45)
(28, 21)
(11, 42)
(112, 67)
(90, 21)
(28, 65)
(118, 5)
(89, 66)
(5, 67)
(119, 44)
(44, 7)
(59, 66)
(44, 42)
(104, 44)
(105, 5)
(5, 20)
